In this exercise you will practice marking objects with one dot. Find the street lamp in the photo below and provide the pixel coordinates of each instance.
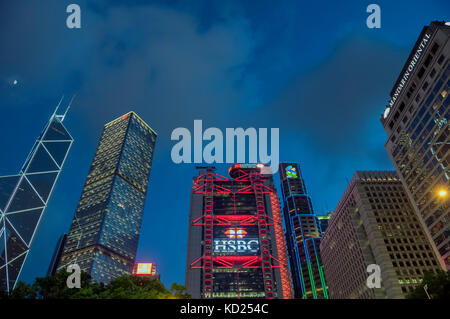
(442, 192)
(425, 287)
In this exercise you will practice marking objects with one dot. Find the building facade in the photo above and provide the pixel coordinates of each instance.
(104, 233)
(323, 221)
(236, 244)
(374, 223)
(416, 120)
(303, 235)
(24, 197)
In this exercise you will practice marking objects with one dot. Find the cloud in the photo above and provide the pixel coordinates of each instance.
(338, 98)
(156, 62)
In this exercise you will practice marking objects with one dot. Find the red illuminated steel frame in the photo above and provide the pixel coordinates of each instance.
(266, 259)
(208, 234)
(281, 242)
(206, 184)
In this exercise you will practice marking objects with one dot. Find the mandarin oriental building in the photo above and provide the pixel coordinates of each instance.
(236, 245)
(416, 121)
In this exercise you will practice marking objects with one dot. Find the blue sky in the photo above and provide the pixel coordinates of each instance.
(313, 70)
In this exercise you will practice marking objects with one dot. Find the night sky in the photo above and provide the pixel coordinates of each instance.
(314, 70)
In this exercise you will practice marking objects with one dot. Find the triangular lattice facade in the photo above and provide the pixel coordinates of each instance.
(24, 197)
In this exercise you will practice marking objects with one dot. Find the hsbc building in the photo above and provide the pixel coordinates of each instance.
(236, 244)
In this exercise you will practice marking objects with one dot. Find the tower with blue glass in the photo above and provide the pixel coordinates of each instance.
(303, 235)
(24, 197)
(104, 233)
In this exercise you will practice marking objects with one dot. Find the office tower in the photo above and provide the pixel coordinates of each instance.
(416, 120)
(236, 245)
(104, 234)
(374, 223)
(323, 221)
(24, 197)
(302, 235)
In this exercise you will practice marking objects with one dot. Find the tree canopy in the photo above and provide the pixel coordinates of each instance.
(437, 285)
(125, 287)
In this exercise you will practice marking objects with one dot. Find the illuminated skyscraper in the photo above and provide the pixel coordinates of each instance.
(24, 197)
(303, 235)
(236, 244)
(416, 120)
(104, 234)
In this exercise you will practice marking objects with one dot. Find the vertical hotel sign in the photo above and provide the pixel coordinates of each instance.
(408, 72)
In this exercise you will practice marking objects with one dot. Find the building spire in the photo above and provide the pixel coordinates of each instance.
(57, 107)
(63, 116)
(68, 106)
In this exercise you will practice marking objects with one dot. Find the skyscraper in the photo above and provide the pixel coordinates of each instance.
(236, 245)
(104, 234)
(374, 224)
(302, 235)
(24, 197)
(416, 120)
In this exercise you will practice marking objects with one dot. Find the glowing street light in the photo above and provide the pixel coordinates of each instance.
(442, 192)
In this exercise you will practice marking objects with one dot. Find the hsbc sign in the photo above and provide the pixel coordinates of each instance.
(236, 246)
(236, 242)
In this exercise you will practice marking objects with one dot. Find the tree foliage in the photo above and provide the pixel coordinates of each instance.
(438, 286)
(125, 287)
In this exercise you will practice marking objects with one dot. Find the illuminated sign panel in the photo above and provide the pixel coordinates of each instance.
(236, 246)
(291, 172)
(145, 269)
(412, 64)
(235, 241)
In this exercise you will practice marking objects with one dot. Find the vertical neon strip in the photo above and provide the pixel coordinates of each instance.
(302, 280)
(297, 255)
(311, 278)
(322, 279)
